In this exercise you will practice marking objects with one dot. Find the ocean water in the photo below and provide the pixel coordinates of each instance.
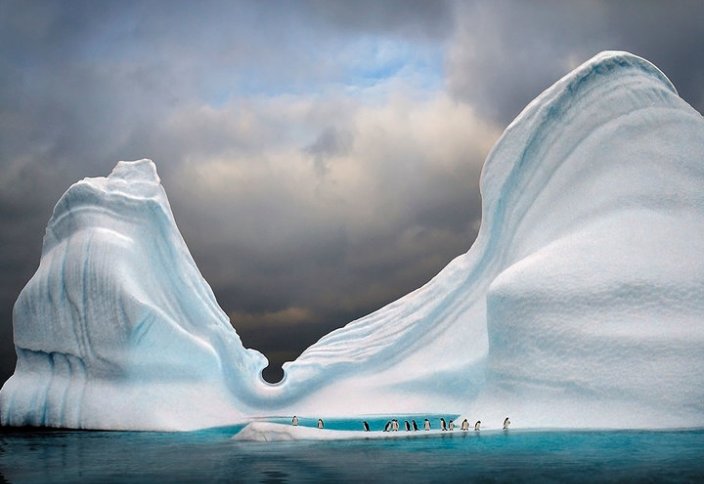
(489, 456)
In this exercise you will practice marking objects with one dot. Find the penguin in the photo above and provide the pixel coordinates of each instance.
(387, 427)
(426, 424)
(465, 425)
(394, 425)
(407, 425)
(294, 421)
(443, 425)
(476, 425)
(366, 426)
(507, 422)
(415, 425)
(452, 425)
(321, 425)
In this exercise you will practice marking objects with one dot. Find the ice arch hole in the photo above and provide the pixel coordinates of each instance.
(283, 343)
(273, 374)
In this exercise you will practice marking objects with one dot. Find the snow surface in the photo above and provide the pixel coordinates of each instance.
(579, 305)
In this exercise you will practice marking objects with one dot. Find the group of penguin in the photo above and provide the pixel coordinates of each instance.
(393, 426)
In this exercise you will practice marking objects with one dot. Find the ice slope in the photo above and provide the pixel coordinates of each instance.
(579, 304)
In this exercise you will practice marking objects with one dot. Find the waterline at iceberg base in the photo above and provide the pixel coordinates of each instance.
(580, 304)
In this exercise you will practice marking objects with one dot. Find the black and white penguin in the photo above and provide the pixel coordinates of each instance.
(321, 425)
(476, 425)
(366, 426)
(387, 427)
(465, 425)
(407, 425)
(415, 425)
(294, 421)
(426, 424)
(507, 422)
(443, 425)
(451, 425)
(394, 425)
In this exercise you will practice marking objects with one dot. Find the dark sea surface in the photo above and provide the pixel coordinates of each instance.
(489, 456)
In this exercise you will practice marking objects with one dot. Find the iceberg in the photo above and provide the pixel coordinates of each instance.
(579, 304)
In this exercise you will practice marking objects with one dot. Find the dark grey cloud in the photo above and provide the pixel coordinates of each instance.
(408, 18)
(506, 52)
(321, 158)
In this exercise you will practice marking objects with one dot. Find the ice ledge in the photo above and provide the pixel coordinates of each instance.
(143, 170)
(133, 181)
(276, 432)
(137, 179)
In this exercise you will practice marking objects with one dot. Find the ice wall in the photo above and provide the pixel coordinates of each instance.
(579, 304)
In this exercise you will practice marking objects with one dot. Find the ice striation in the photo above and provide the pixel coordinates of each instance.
(579, 305)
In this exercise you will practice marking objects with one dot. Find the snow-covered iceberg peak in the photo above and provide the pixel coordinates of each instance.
(579, 304)
(595, 314)
(117, 328)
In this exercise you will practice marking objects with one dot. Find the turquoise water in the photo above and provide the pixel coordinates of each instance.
(376, 422)
(514, 456)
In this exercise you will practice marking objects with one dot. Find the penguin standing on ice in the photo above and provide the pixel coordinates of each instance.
(394, 425)
(443, 425)
(507, 422)
(387, 427)
(426, 424)
(415, 426)
(451, 425)
(366, 426)
(407, 425)
(465, 425)
(294, 421)
(476, 425)
(321, 425)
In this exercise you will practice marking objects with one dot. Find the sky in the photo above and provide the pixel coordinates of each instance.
(322, 158)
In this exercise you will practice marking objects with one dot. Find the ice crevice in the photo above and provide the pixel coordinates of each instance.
(578, 305)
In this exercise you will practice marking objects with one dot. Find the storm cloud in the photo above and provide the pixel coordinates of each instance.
(504, 53)
(321, 158)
